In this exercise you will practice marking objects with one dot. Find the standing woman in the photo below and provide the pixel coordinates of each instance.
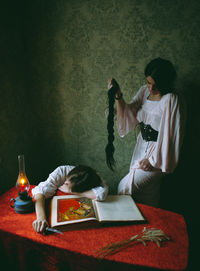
(156, 109)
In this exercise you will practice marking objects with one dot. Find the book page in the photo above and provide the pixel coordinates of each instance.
(71, 209)
(118, 208)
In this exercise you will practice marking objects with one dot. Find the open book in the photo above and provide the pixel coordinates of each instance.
(71, 209)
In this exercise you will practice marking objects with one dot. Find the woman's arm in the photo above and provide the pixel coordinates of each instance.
(145, 164)
(126, 113)
(120, 104)
(118, 96)
(40, 223)
(170, 136)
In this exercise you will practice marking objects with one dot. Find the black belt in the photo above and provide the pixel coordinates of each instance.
(148, 133)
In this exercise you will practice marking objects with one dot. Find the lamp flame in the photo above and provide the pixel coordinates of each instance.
(22, 181)
(22, 184)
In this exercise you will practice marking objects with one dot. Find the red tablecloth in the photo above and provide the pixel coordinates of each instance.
(24, 249)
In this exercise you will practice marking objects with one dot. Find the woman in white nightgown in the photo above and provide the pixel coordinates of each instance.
(157, 110)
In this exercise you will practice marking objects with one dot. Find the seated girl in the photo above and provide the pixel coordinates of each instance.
(80, 180)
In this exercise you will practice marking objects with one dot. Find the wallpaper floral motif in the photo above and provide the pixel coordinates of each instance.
(56, 58)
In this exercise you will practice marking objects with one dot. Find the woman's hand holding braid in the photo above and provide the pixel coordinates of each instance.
(113, 83)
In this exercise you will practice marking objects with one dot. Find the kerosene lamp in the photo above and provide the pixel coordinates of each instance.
(23, 203)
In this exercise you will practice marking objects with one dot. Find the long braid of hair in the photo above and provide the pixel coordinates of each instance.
(110, 149)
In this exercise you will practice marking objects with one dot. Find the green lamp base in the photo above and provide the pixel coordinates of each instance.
(23, 204)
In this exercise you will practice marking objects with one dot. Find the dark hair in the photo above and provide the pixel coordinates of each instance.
(84, 178)
(110, 125)
(163, 73)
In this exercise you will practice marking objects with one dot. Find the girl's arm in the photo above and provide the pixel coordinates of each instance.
(40, 223)
(44, 190)
(90, 194)
(49, 187)
(98, 193)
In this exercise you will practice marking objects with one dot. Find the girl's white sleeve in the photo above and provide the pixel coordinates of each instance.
(49, 187)
(170, 137)
(128, 122)
(101, 192)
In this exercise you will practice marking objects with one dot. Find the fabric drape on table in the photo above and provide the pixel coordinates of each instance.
(21, 248)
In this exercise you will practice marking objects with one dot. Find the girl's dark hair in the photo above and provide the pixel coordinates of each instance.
(110, 125)
(84, 178)
(163, 73)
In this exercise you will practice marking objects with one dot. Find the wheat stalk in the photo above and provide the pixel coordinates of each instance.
(147, 235)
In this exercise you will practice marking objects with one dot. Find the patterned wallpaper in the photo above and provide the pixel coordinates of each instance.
(56, 57)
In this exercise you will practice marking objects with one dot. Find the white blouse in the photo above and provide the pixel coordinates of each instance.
(165, 117)
(57, 178)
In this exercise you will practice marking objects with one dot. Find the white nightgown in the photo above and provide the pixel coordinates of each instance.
(163, 116)
(56, 180)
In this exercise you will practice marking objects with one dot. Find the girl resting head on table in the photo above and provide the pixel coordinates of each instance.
(78, 180)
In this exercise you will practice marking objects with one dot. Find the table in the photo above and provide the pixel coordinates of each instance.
(24, 249)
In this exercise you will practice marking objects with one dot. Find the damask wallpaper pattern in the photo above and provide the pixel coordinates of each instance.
(56, 58)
